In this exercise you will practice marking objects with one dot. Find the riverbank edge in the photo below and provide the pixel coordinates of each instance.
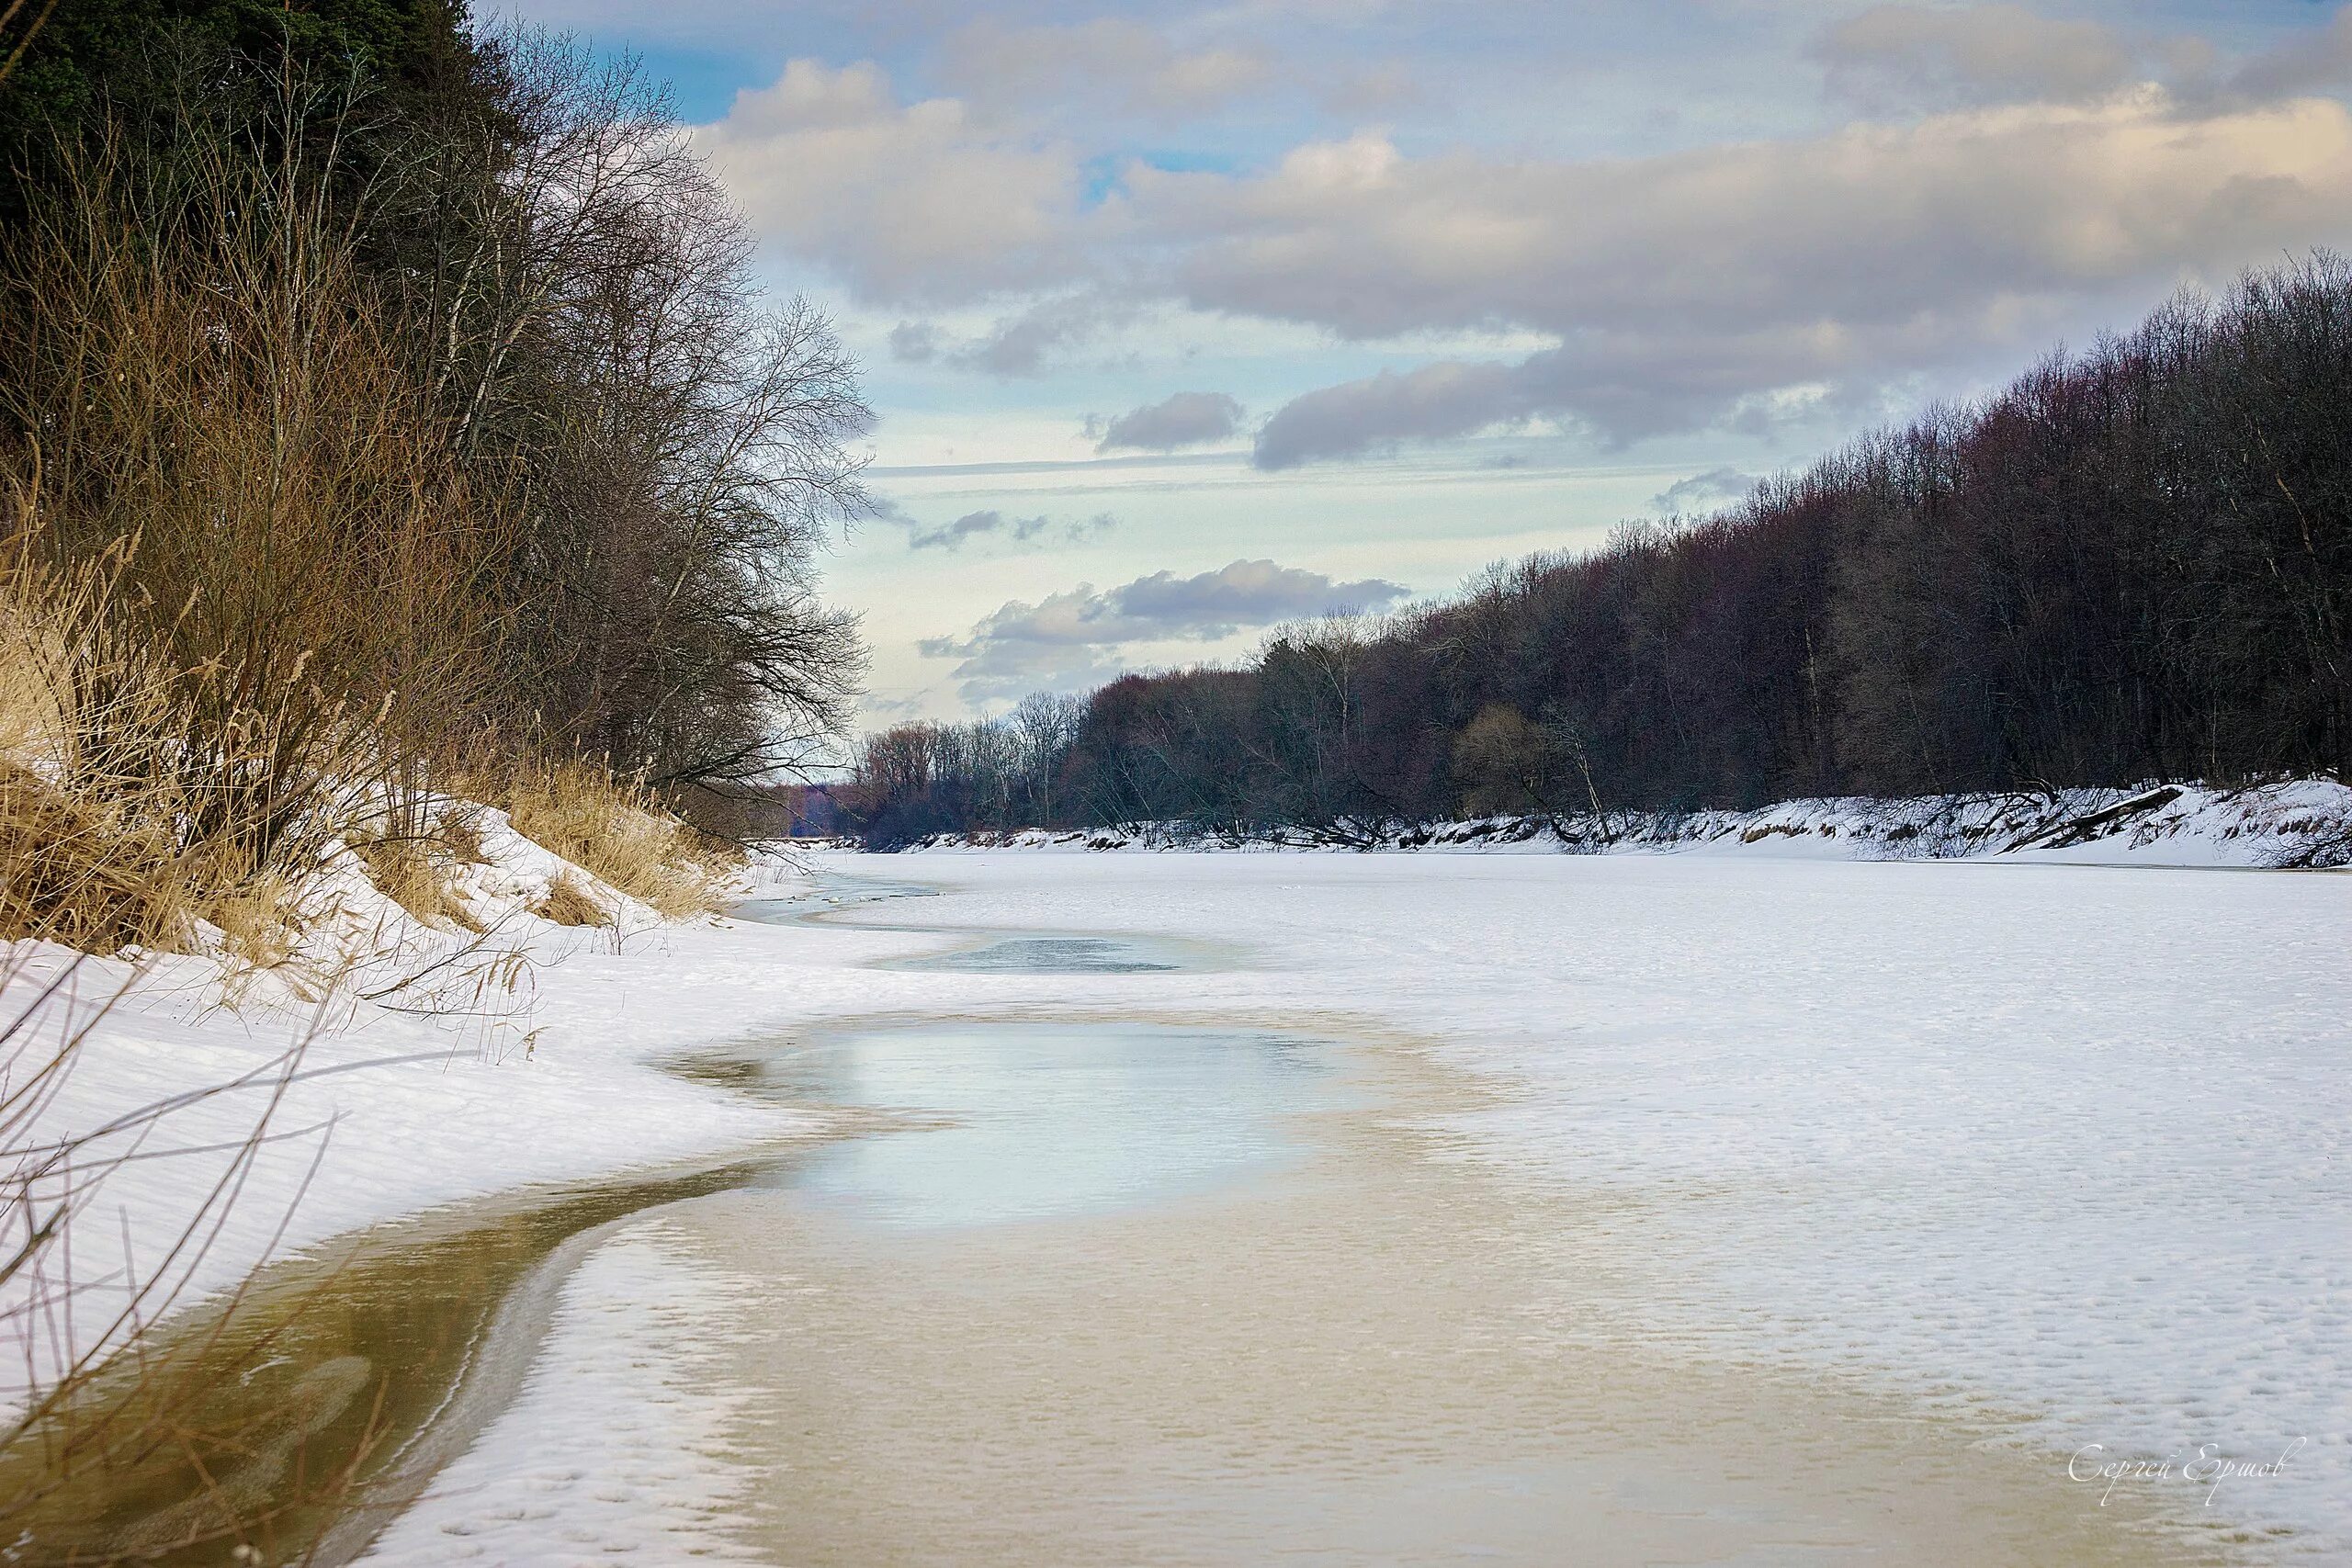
(2303, 824)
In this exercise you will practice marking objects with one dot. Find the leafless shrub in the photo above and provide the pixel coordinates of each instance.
(599, 340)
(208, 387)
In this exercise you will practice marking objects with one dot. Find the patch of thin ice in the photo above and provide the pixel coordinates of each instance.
(617, 1448)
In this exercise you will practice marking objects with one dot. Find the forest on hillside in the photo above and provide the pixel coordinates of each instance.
(388, 412)
(2132, 563)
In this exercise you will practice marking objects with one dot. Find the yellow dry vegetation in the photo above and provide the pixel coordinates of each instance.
(621, 833)
(419, 872)
(121, 824)
(568, 902)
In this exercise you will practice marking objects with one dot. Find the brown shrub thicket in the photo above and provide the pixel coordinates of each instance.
(139, 796)
(351, 458)
(357, 446)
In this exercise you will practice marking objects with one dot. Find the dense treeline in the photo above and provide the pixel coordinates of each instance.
(424, 361)
(2133, 563)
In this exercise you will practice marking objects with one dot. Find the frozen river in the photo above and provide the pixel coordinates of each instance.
(1640, 1210)
(1224, 1209)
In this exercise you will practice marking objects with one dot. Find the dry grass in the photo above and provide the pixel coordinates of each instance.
(260, 928)
(134, 806)
(417, 856)
(89, 854)
(460, 831)
(569, 903)
(419, 874)
(624, 835)
(239, 594)
(94, 873)
(138, 804)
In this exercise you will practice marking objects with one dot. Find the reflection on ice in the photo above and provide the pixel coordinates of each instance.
(825, 896)
(1044, 1120)
(1052, 956)
(1033, 952)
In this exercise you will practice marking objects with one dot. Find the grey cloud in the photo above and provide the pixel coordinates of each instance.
(1618, 388)
(1027, 342)
(1714, 487)
(1187, 419)
(1081, 628)
(1376, 92)
(1905, 56)
(1023, 343)
(1245, 593)
(992, 524)
(2317, 64)
(914, 342)
(1622, 386)
(1113, 64)
(1428, 403)
(1020, 345)
(973, 524)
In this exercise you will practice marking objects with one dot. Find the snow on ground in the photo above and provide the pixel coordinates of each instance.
(388, 1111)
(616, 1450)
(2063, 1144)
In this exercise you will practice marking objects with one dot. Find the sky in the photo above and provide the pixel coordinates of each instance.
(1181, 322)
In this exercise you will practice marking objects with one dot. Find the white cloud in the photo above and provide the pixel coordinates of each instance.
(1686, 288)
(1870, 225)
(1703, 288)
(1700, 491)
(904, 202)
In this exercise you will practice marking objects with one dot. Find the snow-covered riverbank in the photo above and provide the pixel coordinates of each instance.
(2058, 1145)
(2297, 823)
